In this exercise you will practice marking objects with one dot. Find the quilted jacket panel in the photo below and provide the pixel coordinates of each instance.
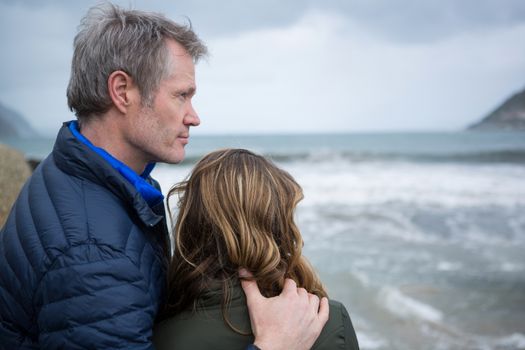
(82, 257)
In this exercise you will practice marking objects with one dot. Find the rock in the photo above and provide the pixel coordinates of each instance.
(14, 171)
(13, 124)
(508, 116)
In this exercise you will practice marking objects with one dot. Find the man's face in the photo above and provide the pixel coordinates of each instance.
(159, 132)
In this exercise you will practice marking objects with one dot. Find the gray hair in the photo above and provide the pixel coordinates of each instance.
(110, 39)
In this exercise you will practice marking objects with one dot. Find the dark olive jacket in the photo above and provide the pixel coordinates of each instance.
(205, 329)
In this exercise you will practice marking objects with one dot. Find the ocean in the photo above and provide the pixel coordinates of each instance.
(420, 235)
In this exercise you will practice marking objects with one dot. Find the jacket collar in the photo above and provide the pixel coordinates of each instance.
(213, 295)
(78, 159)
(152, 195)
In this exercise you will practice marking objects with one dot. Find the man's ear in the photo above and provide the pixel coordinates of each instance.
(122, 90)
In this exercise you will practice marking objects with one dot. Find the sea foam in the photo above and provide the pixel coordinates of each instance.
(515, 341)
(405, 307)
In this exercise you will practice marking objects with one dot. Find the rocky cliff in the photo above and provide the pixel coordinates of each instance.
(508, 116)
(12, 124)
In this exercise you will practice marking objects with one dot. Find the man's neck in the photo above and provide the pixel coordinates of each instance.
(106, 132)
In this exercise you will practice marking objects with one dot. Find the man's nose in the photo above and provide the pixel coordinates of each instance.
(192, 118)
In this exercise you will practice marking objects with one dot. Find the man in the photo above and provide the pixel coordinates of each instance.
(83, 253)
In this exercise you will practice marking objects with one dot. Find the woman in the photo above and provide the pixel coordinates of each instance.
(236, 210)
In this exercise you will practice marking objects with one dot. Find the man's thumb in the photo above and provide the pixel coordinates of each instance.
(250, 287)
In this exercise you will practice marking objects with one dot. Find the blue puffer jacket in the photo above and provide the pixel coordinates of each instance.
(82, 257)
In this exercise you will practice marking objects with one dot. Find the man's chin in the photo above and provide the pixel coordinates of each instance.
(176, 158)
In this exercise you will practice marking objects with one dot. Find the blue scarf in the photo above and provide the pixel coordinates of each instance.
(150, 194)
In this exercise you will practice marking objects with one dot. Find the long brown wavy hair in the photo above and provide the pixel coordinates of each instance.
(236, 209)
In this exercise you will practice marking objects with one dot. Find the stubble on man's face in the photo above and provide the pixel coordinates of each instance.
(161, 128)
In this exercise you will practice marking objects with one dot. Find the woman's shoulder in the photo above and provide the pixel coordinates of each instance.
(338, 333)
(204, 327)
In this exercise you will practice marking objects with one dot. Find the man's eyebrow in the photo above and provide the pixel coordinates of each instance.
(191, 91)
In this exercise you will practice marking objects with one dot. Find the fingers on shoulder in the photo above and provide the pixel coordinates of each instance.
(313, 301)
(253, 294)
(250, 287)
(324, 311)
(289, 286)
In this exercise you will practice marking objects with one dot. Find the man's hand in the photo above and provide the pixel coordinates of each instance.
(290, 321)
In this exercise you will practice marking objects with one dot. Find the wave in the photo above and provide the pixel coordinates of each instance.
(515, 340)
(477, 157)
(405, 307)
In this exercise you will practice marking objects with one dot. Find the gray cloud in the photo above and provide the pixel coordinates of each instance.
(453, 60)
(410, 21)
(399, 20)
(429, 20)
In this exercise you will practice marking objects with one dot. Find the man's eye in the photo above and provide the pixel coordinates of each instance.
(185, 95)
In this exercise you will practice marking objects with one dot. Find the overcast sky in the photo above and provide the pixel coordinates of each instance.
(298, 66)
